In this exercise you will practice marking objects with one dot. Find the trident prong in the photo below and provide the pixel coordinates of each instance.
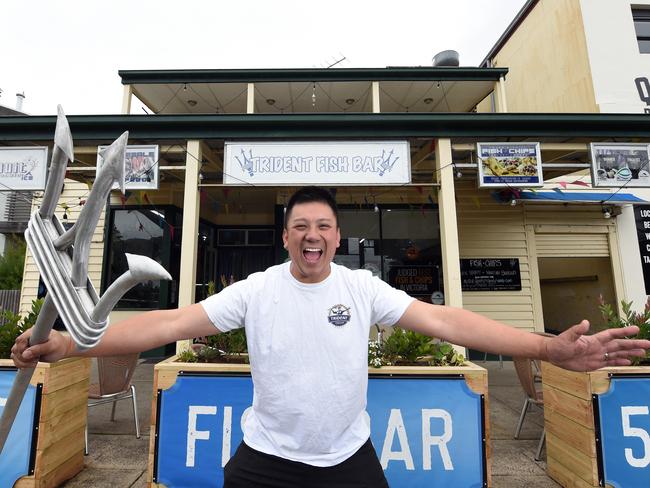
(65, 271)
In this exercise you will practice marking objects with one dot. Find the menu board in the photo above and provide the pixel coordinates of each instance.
(414, 280)
(642, 217)
(490, 274)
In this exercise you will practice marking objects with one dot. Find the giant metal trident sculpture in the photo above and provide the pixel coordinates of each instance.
(62, 260)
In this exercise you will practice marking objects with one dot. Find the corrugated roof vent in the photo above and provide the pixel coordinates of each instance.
(449, 58)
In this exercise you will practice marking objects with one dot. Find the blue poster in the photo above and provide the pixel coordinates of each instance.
(14, 460)
(624, 413)
(426, 431)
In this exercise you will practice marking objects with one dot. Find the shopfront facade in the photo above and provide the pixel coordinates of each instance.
(436, 234)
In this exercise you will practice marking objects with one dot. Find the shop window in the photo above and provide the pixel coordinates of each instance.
(400, 245)
(641, 18)
(155, 233)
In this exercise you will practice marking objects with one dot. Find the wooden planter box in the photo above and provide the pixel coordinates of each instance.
(62, 421)
(571, 430)
(166, 373)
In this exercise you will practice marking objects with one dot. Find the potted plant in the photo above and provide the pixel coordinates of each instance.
(576, 416)
(58, 453)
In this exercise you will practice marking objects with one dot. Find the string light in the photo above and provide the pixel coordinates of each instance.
(313, 96)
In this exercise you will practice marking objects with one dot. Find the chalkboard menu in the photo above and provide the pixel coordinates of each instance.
(642, 217)
(414, 280)
(490, 274)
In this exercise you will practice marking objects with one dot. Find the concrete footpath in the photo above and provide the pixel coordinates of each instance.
(118, 460)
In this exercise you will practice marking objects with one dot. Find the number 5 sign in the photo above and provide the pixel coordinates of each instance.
(624, 418)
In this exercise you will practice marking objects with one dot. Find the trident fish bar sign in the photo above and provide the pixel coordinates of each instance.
(23, 168)
(321, 163)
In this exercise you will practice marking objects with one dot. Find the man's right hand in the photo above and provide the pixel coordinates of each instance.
(24, 355)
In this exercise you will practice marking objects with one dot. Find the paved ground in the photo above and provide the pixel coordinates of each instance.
(118, 460)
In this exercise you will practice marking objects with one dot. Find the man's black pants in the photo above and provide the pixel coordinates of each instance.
(249, 468)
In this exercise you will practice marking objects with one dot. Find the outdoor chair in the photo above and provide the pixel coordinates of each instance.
(115, 374)
(530, 375)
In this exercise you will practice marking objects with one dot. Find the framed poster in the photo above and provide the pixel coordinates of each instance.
(619, 165)
(509, 164)
(23, 168)
(141, 167)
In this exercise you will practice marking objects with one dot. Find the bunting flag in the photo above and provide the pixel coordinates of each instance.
(580, 183)
(203, 197)
(562, 184)
(422, 210)
(171, 233)
(476, 201)
(419, 189)
(146, 198)
(123, 199)
(226, 191)
(430, 199)
(127, 195)
(557, 190)
(82, 202)
(138, 197)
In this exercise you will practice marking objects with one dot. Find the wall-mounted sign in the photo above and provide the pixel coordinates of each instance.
(642, 217)
(509, 164)
(414, 280)
(428, 431)
(17, 459)
(23, 168)
(319, 163)
(624, 421)
(490, 274)
(617, 165)
(141, 167)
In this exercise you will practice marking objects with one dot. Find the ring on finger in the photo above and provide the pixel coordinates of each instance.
(606, 356)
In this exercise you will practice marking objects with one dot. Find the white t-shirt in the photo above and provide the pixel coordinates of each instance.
(308, 347)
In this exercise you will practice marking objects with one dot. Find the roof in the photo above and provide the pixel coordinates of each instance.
(418, 73)
(336, 125)
(516, 22)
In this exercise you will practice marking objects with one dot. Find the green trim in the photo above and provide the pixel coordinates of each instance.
(132, 77)
(102, 128)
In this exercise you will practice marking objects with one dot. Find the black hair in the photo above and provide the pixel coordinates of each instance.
(308, 194)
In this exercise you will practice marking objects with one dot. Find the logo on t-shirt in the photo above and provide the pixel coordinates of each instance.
(339, 315)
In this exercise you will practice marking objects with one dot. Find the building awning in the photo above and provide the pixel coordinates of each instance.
(583, 196)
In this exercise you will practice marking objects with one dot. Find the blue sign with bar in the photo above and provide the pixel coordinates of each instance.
(14, 460)
(624, 415)
(428, 431)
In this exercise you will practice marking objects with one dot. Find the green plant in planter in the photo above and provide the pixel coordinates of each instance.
(218, 347)
(640, 319)
(408, 347)
(14, 325)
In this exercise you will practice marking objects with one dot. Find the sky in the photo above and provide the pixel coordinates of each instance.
(69, 52)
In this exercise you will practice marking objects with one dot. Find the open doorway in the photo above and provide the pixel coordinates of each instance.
(571, 288)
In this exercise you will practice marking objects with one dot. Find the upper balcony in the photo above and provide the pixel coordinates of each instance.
(304, 91)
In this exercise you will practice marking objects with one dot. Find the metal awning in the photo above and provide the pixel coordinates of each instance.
(583, 196)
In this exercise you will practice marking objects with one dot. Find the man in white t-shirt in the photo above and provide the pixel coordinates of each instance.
(307, 324)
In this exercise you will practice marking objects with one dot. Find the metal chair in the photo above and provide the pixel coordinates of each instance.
(115, 374)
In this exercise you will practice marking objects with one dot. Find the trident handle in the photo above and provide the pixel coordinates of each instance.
(40, 334)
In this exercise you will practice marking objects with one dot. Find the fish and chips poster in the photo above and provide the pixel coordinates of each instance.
(620, 165)
(511, 164)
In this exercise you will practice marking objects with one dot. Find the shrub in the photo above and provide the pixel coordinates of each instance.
(408, 347)
(12, 263)
(14, 325)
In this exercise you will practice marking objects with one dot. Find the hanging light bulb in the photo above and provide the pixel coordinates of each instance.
(376, 208)
(313, 95)
(201, 176)
(513, 202)
(65, 217)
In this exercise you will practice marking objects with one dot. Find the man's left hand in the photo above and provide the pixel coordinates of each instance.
(575, 350)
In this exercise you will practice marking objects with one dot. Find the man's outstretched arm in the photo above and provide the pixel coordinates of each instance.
(572, 349)
(139, 333)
